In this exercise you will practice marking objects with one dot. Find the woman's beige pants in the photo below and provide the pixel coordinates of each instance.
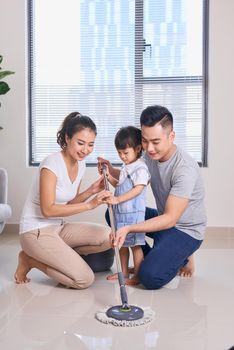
(58, 247)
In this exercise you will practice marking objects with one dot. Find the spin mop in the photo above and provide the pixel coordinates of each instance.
(124, 315)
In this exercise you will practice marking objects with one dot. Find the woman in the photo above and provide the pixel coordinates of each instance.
(48, 243)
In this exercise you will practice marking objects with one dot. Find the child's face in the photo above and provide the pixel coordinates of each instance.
(129, 154)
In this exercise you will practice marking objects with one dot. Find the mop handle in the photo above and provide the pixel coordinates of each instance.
(121, 279)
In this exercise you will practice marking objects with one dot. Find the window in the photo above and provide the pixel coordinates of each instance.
(110, 59)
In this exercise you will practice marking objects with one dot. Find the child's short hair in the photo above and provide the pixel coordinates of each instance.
(128, 136)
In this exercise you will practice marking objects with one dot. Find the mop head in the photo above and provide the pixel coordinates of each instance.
(102, 317)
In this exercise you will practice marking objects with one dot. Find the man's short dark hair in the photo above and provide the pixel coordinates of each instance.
(156, 114)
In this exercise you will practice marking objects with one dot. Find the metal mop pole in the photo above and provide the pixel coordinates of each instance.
(121, 279)
(124, 314)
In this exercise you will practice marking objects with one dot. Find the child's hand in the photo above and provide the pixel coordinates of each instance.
(107, 172)
(111, 199)
(99, 199)
(101, 162)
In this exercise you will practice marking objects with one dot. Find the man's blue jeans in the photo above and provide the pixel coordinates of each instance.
(170, 251)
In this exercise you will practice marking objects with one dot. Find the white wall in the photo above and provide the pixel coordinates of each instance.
(218, 177)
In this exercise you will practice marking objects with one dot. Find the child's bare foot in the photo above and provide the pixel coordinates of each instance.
(22, 269)
(132, 281)
(188, 269)
(114, 276)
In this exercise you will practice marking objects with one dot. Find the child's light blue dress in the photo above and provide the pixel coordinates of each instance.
(132, 211)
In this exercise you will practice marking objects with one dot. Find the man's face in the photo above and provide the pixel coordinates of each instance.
(158, 142)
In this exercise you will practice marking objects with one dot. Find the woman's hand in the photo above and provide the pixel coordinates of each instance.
(120, 236)
(97, 186)
(99, 199)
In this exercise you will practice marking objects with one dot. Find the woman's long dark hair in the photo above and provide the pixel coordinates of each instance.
(73, 123)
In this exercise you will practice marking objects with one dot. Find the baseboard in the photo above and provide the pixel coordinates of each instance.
(211, 232)
(11, 228)
(219, 232)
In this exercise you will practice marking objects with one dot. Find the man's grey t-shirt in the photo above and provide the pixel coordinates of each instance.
(180, 176)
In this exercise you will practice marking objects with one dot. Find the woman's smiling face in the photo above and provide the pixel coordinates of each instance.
(81, 144)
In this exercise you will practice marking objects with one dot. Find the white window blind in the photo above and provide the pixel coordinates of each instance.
(109, 60)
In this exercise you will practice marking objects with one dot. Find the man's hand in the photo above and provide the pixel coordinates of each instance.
(121, 236)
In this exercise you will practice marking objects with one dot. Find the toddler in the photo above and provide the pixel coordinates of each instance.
(128, 201)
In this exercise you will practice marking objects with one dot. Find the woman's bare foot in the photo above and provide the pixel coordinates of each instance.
(188, 269)
(22, 269)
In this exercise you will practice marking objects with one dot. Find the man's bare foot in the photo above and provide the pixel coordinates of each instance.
(188, 269)
(22, 269)
(132, 281)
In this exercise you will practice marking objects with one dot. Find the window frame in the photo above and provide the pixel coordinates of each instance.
(205, 59)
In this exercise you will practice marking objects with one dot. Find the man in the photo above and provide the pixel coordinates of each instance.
(177, 226)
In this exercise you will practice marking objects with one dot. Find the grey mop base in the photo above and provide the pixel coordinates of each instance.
(102, 317)
(127, 313)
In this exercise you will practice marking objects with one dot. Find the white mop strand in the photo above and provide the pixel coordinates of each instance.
(102, 317)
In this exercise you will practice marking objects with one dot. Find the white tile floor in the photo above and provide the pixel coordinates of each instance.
(194, 314)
